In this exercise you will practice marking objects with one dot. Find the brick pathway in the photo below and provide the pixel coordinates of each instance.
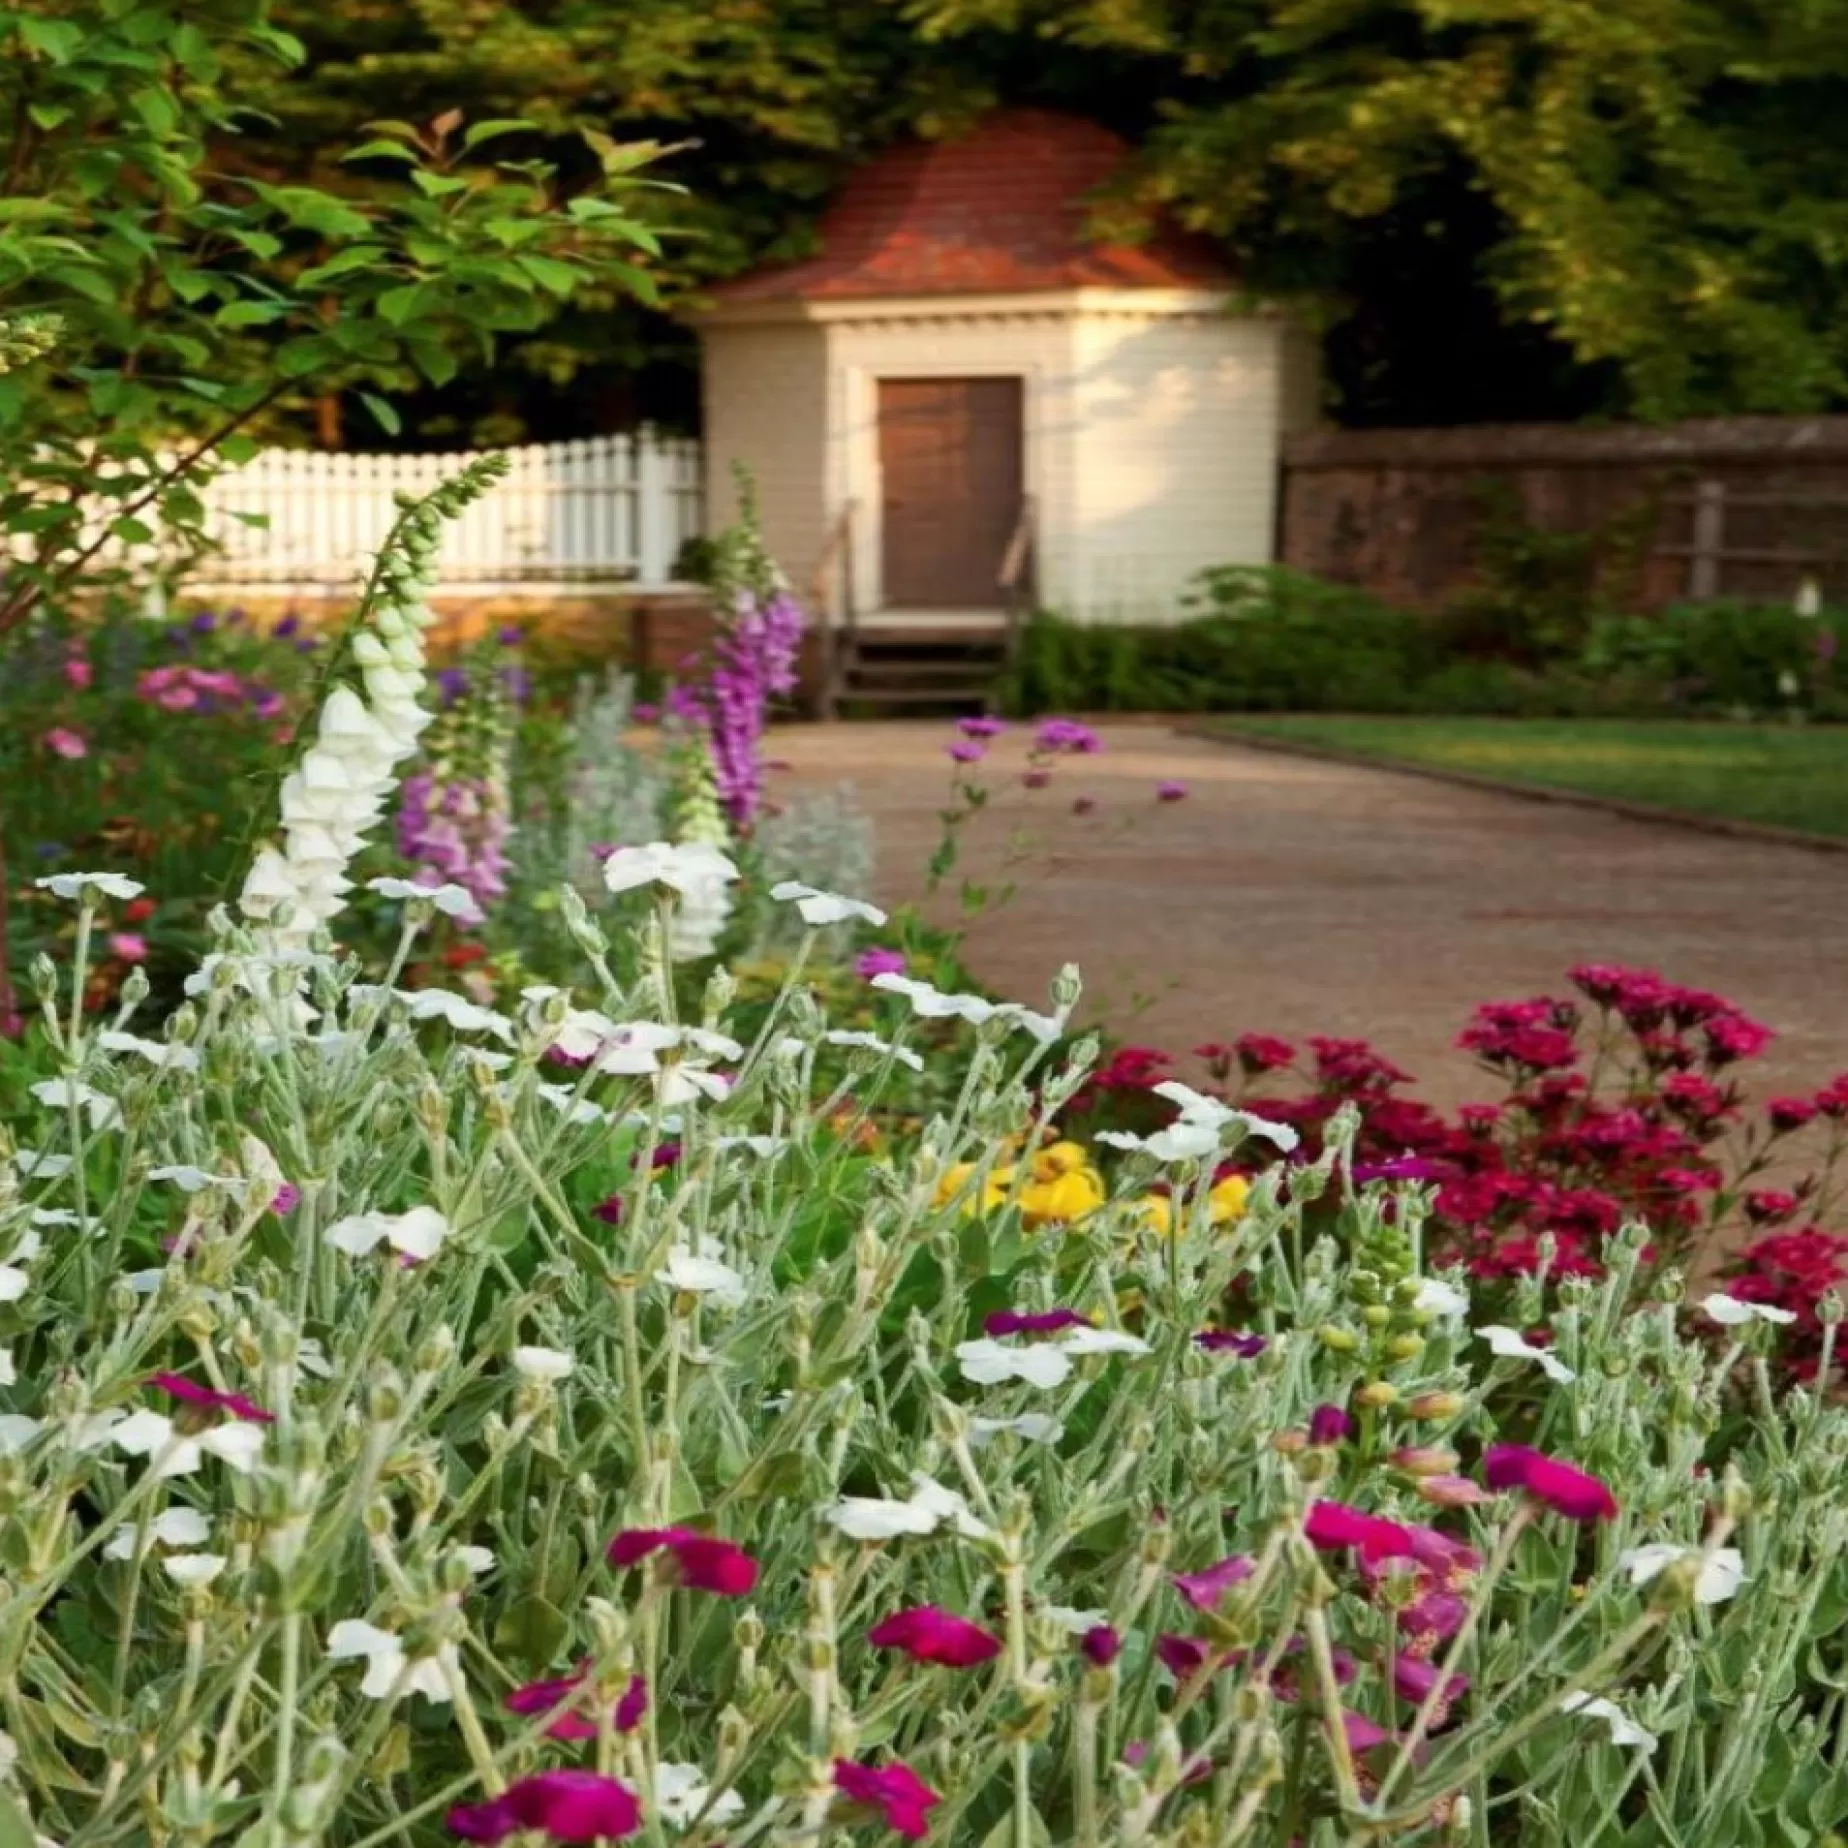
(1297, 897)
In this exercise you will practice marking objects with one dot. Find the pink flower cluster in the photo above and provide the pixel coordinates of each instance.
(455, 832)
(180, 688)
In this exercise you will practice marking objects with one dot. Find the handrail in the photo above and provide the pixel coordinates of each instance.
(836, 546)
(1019, 545)
(1012, 579)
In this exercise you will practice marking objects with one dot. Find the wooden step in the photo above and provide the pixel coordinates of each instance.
(947, 673)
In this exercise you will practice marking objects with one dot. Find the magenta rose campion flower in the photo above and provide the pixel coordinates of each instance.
(1329, 1424)
(1204, 1589)
(190, 1392)
(1230, 1341)
(1559, 1486)
(928, 1634)
(576, 1722)
(1033, 1322)
(870, 963)
(1334, 1525)
(1100, 1645)
(901, 1797)
(967, 751)
(700, 1562)
(1170, 792)
(568, 1806)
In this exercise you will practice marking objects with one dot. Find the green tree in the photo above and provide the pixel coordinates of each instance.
(1665, 178)
(194, 297)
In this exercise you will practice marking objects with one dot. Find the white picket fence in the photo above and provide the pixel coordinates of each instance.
(603, 510)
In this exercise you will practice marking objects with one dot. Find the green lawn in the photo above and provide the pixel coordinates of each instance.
(1791, 776)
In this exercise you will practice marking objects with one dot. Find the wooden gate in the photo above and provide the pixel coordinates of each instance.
(950, 490)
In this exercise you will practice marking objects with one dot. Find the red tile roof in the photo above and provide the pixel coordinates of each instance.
(1000, 212)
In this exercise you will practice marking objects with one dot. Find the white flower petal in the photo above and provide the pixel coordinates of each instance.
(1730, 1312)
(7, 1375)
(1718, 1579)
(1435, 1297)
(194, 1568)
(16, 1432)
(418, 1233)
(452, 900)
(237, 1445)
(864, 1517)
(822, 908)
(682, 1793)
(543, 1363)
(1035, 1427)
(1101, 1341)
(478, 1559)
(356, 1234)
(700, 1274)
(71, 885)
(41, 1164)
(13, 1283)
(1073, 1622)
(1509, 1344)
(945, 1505)
(682, 866)
(988, 1362)
(1624, 1730)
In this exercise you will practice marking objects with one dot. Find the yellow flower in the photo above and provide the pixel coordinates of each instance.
(994, 1188)
(1060, 1158)
(1156, 1212)
(1228, 1197)
(1066, 1197)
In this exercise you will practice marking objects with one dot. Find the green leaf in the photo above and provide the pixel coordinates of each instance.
(237, 450)
(553, 275)
(15, 1830)
(310, 209)
(388, 419)
(486, 131)
(56, 39)
(48, 115)
(193, 51)
(380, 150)
(159, 113)
(92, 284)
(437, 185)
(532, 1630)
(436, 363)
(250, 314)
(404, 303)
(284, 46)
(343, 262)
(260, 521)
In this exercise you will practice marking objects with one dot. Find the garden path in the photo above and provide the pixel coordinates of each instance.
(1288, 896)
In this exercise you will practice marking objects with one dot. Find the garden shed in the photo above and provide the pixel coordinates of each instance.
(962, 387)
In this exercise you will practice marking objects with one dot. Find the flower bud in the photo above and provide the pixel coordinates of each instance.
(44, 977)
(1424, 1460)
(1376, 1315)
(1405, 1347)
(1435, 1406)
(1377, 1394)
(1337, 1340)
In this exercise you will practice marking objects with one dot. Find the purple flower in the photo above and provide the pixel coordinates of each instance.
(288, 1197)
(609, 1211)
(1204, 1589)
(575, 1723)
(511, 636)
(569, 1806)
(451, 683)
(928, 1634)
(901, 1797)
(1100, 1645)
(287, 627)
(1170, 792)
(981, 728)
(870, 963)
(1231, 1341)
(1035, 779)
(190, 1392)
(1042, 1322)
(700, 1562)
(1067, 735)
(968, 752)
(754, 663)
(644, 714)
(1329, 1424)
(204, 623)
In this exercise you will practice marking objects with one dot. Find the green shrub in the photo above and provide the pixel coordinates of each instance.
(1726, 655)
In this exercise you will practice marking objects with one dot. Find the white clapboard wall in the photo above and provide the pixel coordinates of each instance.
(601, 510)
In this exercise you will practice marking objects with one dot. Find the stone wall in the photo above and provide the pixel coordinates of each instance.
(1737, 506)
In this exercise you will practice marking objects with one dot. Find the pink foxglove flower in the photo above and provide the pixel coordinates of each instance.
(701, 1563)
(190, 1392)
(575, 1723)
(901, 1797)
(1414, 1678)
(1204, 1589)
(568, 1806)
(929, 1634)
(1559, 1486)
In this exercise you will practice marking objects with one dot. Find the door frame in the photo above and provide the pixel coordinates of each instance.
(859, 456)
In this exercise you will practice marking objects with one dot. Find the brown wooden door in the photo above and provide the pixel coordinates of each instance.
(950, 488)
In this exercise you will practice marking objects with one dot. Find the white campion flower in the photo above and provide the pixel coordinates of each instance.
(763, 1147)
(462, 1015)
(149, 1434)
(680, 1083)
(1719, 1578)
(1509, 1344)
(1435, 1297)
(479, 1560)
(72, 885)
(171, 1057)
(1730, 1312)
(175, 1526)
(189, 1179)
(686, 866)
(450, 899)
(9, 1375)
(930, 1003)
(575, 1109)
(1073, 1622)
(698, 1272)
(16, 1432)
(988, 1362)
(352, 1638)
(543, 1363)
(1101, 1341)
(1035, 1427)
(41, 1164)
(1624, 1730)
(1181, 1141)
(73, 1094)
(871, 1042)
(681, 1793)
(418, 1233)
(872, 1518)
(820, 908)
(14, 1282)
(194, 1568)
(55, 1217)
(582, 1032)
(1197, 1107)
